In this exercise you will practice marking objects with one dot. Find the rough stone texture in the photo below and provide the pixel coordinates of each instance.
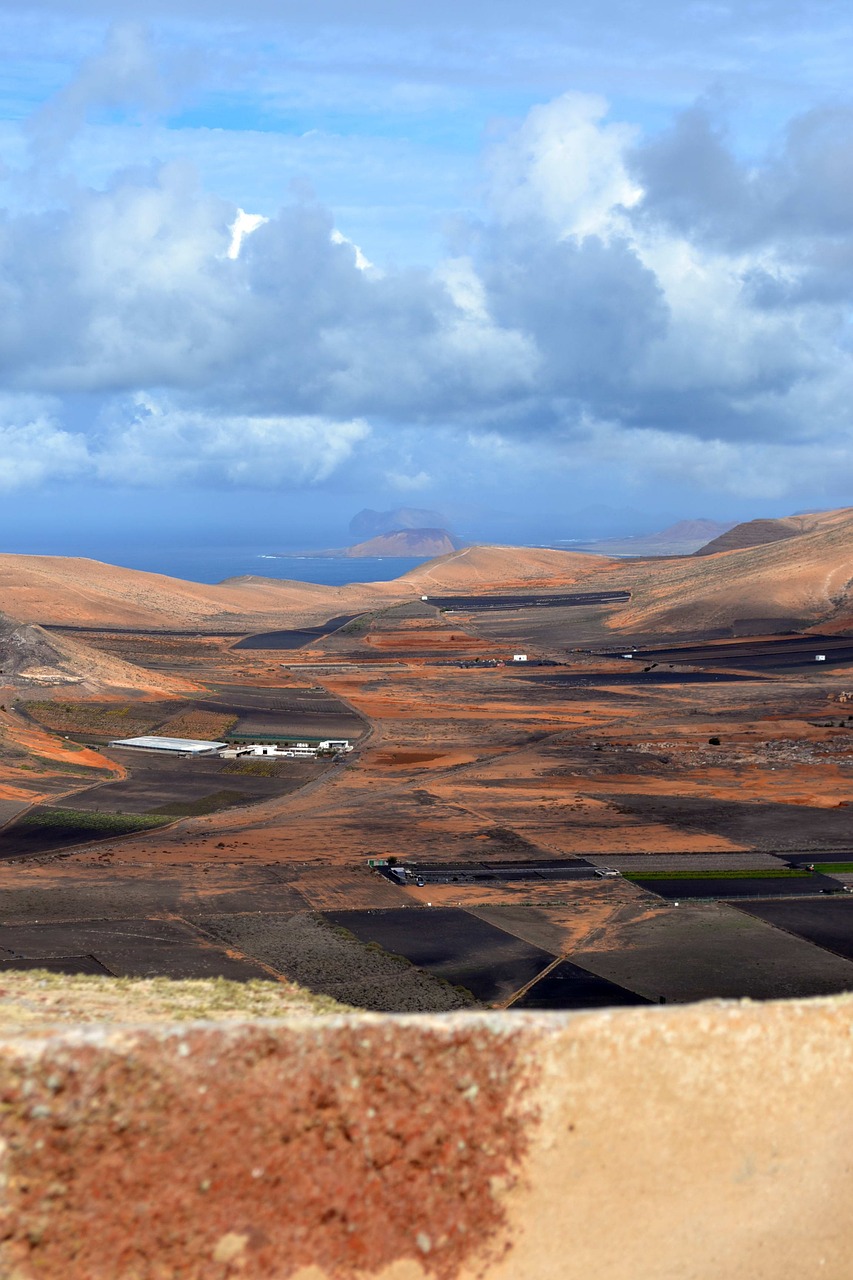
(35, 998)
(686, 1143)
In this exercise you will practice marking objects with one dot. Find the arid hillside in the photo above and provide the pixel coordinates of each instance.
(64, 591)
(755, 533)
(507, 568)
(31, 657)
(794, 582)
(800, 580)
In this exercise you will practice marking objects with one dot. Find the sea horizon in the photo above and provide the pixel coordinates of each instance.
(210, 565)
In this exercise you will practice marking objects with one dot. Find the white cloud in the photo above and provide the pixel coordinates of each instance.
(34, 448)
(566, 165)
(408, 483)
(243, 225)
(691, 309)
(361, 262)
(153, 442)
(125, 74)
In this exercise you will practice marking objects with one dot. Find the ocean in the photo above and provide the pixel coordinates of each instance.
(213, 564)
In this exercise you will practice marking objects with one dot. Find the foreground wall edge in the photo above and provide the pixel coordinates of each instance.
(701, 1141)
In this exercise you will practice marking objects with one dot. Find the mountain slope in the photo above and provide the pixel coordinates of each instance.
(30, 657)
(796, 581)
(66, 591)
(755, 533)
(496, 569)
(793, 582)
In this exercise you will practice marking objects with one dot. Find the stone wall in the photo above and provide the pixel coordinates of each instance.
(692, 1143)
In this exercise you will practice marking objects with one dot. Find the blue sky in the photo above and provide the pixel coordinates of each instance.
(549, 268)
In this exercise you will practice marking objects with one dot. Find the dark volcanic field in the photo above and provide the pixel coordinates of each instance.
(756, 655)
(568, 986)
(776, 828)
(453, 945)
(724, 887)
(284, 713)
(130, 948)
(296, 639)
(827, 924)
(489, 603)
(473, 872)
(637, 678)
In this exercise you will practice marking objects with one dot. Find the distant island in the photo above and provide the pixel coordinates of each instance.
(398, 543)
(682, 539)
(372, 524)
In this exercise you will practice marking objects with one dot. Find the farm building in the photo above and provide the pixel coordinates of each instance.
(182, 746)
(296, 750)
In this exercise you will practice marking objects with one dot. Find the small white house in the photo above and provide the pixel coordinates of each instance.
(519, 657)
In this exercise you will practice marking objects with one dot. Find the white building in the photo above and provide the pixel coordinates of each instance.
(182, 746)
(298, 751)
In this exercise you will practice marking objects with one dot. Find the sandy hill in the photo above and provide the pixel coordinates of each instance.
(755, 533)
(791, 582)
(31, 658)
(497, 569)
(67, 591)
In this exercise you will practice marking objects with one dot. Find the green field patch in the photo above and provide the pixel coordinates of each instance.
(205, 804)
(45, 829)
(834, 868)
(763, 874)
(256, 768)
(86, 819)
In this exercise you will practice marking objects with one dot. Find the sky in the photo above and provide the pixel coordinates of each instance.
(555, 270)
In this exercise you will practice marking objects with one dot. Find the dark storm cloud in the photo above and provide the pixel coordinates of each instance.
(802, 190)
(591, 307)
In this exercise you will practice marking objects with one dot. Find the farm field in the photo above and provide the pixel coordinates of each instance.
(294, 639)
(826, 924)
(770, 654)
(698, 951)
(506, 789)
(160, 785)
(451, 944)
(568, 986)
(126, 948)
